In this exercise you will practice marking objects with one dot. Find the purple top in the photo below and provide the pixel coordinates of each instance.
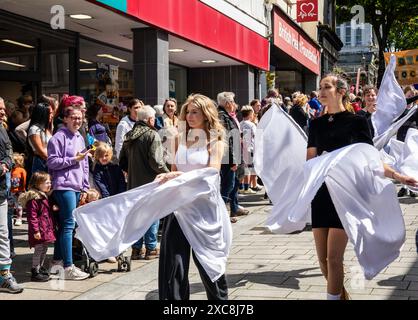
(67, 173)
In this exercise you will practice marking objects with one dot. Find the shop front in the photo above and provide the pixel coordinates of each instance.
(294, 57)
(34, 59)
(150, 50)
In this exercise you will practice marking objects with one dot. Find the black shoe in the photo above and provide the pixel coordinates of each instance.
(412, 194)
(38, 277)
(402, 192)
(44, 271)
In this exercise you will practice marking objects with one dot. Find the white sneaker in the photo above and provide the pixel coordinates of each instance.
(18, 222)
(74, 273)
(249, 191)
(55, 266)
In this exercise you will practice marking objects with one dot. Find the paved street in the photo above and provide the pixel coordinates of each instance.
(261, 266)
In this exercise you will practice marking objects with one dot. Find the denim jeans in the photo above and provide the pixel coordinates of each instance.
(227, 181)
(38, 164)
(229, 187)
(67, 201)
(150, 237)
(5, 260)
(234, 196)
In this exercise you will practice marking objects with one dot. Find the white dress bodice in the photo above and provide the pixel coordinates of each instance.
(188, 159)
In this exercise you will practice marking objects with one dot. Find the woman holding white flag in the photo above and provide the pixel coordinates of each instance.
(200, 145)
(336, 129)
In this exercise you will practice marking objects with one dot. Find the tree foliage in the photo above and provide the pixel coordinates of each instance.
(404, 36)
(386, 17)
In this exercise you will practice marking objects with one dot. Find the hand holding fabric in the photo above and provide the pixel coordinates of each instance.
(164, 177)
(407, 180)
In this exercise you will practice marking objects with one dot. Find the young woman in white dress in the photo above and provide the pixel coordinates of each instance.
(200, 144)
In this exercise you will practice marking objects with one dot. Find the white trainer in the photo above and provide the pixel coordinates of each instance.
(74, 273)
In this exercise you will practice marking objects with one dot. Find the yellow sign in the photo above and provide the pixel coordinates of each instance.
(406, 71)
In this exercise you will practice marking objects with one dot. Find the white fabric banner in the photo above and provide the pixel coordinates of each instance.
(366, 202)
(280, 146)
(380, 141)
(111, 225)
(403, 156)
(391, 101)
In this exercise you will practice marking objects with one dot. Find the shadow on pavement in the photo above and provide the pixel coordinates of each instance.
(279, 279)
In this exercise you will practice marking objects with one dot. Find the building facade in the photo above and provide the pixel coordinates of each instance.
(359, 52)
(115, 50)
(302, 52)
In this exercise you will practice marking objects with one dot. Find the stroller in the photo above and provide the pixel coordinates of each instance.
(86, 263)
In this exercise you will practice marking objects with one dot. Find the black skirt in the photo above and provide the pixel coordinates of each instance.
(324, 214)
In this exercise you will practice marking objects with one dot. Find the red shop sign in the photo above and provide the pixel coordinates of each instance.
(307, 10)
(288, 39)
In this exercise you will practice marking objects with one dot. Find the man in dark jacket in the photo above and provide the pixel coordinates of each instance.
(232, 158)
(7, 281)
(142, 156)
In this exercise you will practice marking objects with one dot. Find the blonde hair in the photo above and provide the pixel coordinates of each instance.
(19, 159)
(210, 113)
(301, 99)
(246, 111)
(37, 179)
(92, 195)
(101, 149)
(340, 83)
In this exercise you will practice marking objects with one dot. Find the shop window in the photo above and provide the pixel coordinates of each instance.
(55, 72)
(108, 78)
(358, 37)
(338, 31)
(17, 54)
(288, 82)
(177, 86)
(348, 35)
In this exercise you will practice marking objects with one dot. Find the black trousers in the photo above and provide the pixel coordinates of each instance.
(173, 273)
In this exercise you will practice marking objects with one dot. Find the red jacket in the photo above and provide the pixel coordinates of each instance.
(40, 217)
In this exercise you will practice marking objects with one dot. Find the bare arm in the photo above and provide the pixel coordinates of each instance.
(216, 155)
(391, 173)
(311, 153)
(40, 150)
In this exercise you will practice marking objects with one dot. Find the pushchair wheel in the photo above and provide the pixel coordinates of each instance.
(128, 263)
(93, 269)
(124, 264)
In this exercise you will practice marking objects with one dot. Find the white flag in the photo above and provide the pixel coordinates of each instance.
(109, 226)
(391, 101)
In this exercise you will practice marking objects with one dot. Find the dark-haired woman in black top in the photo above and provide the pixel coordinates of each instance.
(336, 129)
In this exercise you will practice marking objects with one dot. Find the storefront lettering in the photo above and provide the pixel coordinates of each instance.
(288, 36)
(299, 45)
(308, 53)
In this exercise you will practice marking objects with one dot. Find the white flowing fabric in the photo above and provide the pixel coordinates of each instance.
(403, 157)
(109, 226)
(280, 146)
(391, 101)
(365, 201)
(382, 140)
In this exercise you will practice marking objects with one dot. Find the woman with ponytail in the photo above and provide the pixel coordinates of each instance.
(337, 128)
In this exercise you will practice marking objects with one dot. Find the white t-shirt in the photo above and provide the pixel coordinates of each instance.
(33, 130)
(248, 129)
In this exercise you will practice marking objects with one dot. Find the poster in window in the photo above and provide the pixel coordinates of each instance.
(172, 88)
